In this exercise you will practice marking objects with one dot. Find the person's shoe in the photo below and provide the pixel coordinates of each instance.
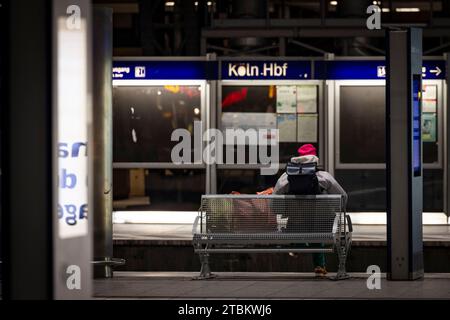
(320, 271)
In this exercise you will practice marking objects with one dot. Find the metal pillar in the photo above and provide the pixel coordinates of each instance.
(404, 154)
(447, 135)
(211, 122)
(102, 147)
(191, 28)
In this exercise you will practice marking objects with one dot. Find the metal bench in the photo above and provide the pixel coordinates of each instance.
(272, 224)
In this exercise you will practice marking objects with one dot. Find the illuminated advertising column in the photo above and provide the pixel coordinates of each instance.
(72, 118)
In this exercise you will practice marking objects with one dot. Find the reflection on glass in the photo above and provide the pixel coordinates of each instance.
(248, 99)
(159, 189)
(145, 117)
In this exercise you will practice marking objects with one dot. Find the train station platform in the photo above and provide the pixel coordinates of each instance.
(264, 285)
(153, 246)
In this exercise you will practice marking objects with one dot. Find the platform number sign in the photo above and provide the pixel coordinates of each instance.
(139, 72)
(381, 71)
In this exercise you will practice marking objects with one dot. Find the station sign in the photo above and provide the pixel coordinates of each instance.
(370, 69)
(264, 70)
(164, 70)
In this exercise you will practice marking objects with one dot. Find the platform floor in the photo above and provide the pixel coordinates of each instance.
(264, 285)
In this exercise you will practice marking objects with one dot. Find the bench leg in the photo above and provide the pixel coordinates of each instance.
(342, 252)
(205, 271)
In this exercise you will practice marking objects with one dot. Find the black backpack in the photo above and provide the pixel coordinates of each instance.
(302, 178)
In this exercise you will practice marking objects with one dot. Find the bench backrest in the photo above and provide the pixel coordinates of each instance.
(270, 213)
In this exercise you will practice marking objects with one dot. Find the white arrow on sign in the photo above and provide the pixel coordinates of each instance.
(437, 71)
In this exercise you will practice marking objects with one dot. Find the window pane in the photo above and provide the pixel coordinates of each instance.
(362, 124)
(362, 140)
(144, 118)
(366, 189)
(162, 189)
(292, 109)
(430, 120)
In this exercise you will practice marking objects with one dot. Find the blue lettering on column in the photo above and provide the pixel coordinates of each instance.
(71, 213)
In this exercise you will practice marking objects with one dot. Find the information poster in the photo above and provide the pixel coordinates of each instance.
(287, 127)
(286, 99)
(429, 98)
(249, 120)
(307, 99)
(307, 128)
(429, 127)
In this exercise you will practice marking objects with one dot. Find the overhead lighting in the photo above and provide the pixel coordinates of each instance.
(334, 3)
(407, 9)
(209, 3)
(385, 10)
(170, 3)
(377, 3)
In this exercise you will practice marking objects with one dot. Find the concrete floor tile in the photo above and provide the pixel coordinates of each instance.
(264, 287)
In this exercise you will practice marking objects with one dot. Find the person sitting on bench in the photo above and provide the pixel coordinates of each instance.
(303, 178)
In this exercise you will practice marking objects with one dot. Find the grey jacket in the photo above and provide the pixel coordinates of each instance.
(327, 183)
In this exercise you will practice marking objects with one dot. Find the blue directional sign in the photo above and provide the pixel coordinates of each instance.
(265, 70)
(370, 69)
(433, 69)
(164, 70)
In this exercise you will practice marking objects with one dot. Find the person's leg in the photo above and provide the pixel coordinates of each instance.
(319, 261)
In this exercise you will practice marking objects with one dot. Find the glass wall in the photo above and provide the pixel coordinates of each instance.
(158, 189)
(361, 142)
(144, 118)
(292, 108)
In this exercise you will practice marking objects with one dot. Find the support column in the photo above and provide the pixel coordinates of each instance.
(27, 198)
(211, 116)
(45, 131)
(404, 154)
(102, 146)
(447, 133)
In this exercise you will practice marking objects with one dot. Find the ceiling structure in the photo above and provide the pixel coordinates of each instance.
(270, 27)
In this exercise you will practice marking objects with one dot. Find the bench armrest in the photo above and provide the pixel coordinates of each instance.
(350, 224)
(195, 225)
